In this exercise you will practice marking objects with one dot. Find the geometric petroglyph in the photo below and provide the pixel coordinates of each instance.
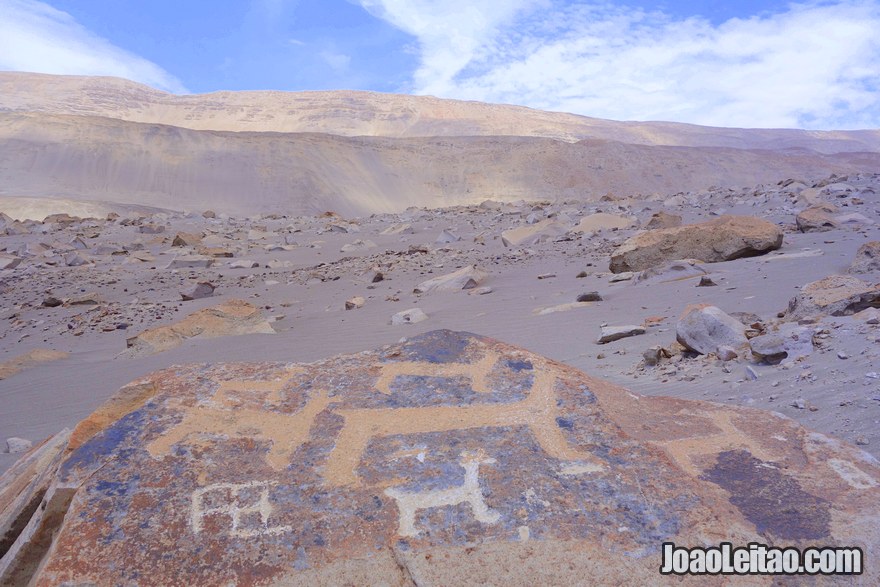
(730, 438)
(286, 432)
(247, 519)
(477, 372)
(410, 502)
(537, 412)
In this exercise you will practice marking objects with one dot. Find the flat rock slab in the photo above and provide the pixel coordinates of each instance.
(450, 459)
(835, 295)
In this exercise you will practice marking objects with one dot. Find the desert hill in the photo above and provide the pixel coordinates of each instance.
(357, 113)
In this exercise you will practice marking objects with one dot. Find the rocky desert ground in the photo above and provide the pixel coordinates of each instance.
(665, 262)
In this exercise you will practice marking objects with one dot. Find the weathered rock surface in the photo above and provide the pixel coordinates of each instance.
(663, 220)
(835, 295)
(723, 239)
(465, 278)
(817, 218)
(186, 239)
(15, 444)
(411, 316)
(671, 271)
(197, 291)
(231, 318)
(703, 329)
(450, 459)
(867, 259)
(603, 221)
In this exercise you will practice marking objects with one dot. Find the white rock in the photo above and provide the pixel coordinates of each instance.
(704, 328)
(465, 278)
(17, 445)
(411, 316)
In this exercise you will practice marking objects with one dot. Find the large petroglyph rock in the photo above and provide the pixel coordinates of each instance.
(446, 460)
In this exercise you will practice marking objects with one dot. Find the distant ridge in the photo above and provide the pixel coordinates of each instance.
(107, 139)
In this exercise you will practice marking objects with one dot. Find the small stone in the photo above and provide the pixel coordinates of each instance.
(52, 302)
(480, 291)
(581, 275)
(16, 445)
(202, 289)
(799, 403)
(751, 374)
(546, 276)
(726, 353)
(862, 441)
(842, 355)
(624, 276)
(411, 316)
(592, 296)
(355, 303)
(706, 282)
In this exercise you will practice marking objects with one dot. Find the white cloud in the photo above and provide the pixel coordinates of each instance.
(38, 38)
(814, 65)
(339, 62)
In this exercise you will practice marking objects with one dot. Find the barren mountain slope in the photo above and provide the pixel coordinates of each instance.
(89, 158)
(350, 113)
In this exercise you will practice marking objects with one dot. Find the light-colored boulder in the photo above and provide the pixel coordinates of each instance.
(531, 234)
(9, 262)
(663, 220)
(835, 295)
(467, 277)
(15, 445)
(723, 239)
(231, 318)
(867, 259)
(358, 245)
(603, 221)
(197, 291)
(703, 328)
(191, 262)
(411, 316)
(186, 239)
(446, 237)
(243, 264)
(355, 303)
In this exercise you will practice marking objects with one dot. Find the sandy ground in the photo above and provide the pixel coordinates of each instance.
(306, 292)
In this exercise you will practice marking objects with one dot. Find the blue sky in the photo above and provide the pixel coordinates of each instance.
(748, 64)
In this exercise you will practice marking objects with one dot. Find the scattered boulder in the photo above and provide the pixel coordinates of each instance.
(672, 271)
(835, 295)
(358, 245)
(243, 264)
(367, 470)
(703, 329)
(533, 233)
(92, 298)
(17, 445)
(603, 221)
(789, 342)
(231, 318)
(592, 296)
(400, 228)
(612, 333)
(817, 218)
(191, 262)
(9, 262)
(51, 302)
(197, 291)
(723, 239)
(446, 237)
(411, 316)
(355, 303)
(75, 260)
(151, 228)
(209, 214)
(867, 259)
(663, 220)
(465, 278)
(186, 239)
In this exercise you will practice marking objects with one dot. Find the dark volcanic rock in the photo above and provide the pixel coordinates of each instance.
(450, 459)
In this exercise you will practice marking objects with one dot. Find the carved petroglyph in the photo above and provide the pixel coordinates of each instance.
(855, 477)
(537, 412)
(225, 395)
(410, 502)
(245, 504)
(683, 449)
(478, 372)
(285, 432)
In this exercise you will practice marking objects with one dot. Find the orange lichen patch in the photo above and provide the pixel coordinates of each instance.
(126, 400)
(537, 412)
(285, 432)
(478, 372)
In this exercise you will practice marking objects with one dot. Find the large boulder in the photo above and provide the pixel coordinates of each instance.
(703, 329)
(867, 259)
(788, 343)
(533, 233)
(603, 221)
(723, 239)
(449, 459)
(835, 295)
(231, 318)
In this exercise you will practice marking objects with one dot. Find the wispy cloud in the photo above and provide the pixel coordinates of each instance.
(813, 65)
(38, 38)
